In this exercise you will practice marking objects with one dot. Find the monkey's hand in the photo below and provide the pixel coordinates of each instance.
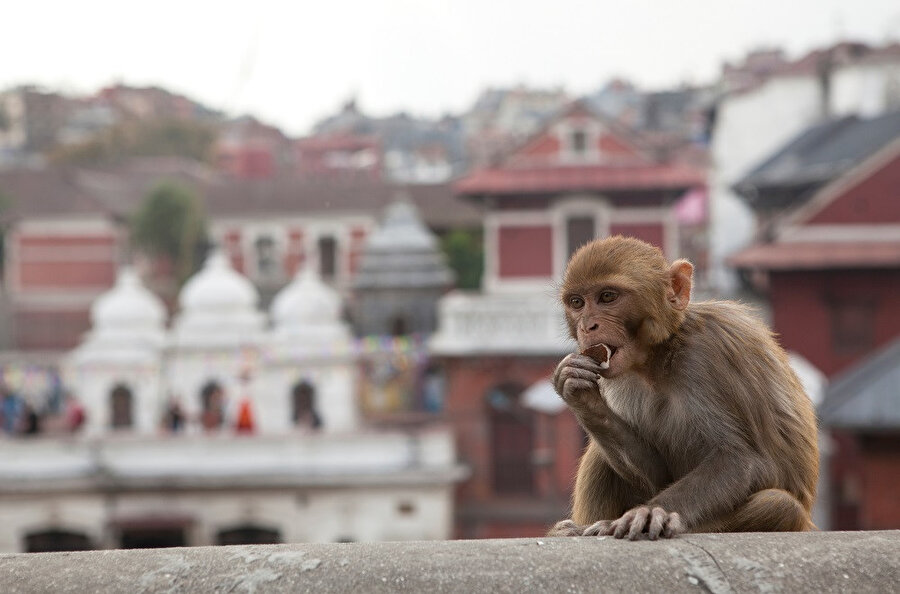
(640, 522)
(575, 380)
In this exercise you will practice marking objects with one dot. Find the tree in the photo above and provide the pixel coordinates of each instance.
(465, 255)
(170, 224)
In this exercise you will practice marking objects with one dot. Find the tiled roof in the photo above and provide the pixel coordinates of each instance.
(48, 193)
(581, 177)
(117, 192)
(803, 255)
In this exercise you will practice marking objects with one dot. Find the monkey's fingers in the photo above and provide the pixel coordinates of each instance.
(566, 528)
(584, 362)
(639, 522)
(674, 526)
(601, 528)
(658, 517)
(622, 526)
(575, 388)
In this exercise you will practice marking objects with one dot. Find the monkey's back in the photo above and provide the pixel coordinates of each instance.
(735, 358)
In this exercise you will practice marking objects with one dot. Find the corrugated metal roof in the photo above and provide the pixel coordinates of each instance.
(821, 153)
(868, 396)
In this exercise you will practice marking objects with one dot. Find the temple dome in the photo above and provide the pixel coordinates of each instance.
(218, 287)
(306, 300)
(128, 305)
(128, 324)
(306, 315)
(218, 307)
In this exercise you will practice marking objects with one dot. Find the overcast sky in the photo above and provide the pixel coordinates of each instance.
(290, 63)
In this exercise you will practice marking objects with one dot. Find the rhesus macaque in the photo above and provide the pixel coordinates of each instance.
(696, 421)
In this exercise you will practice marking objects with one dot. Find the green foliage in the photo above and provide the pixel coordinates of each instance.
(465, 255)
(171, 224)
(167, 137)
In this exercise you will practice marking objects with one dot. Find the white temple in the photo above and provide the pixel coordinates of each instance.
(270, 446)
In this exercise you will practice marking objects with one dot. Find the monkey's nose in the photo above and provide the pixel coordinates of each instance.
(593, 327)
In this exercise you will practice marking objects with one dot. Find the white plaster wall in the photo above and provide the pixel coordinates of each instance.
(866, 89)
(749, 127)
(373, 514)
(22, 514)
(93, 385)
(188, 370)
(335, 382)
(299, 515)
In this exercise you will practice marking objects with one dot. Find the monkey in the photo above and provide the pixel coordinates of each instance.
(696, 421)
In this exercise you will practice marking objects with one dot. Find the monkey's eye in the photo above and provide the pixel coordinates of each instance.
(576, 302)
(607, 296)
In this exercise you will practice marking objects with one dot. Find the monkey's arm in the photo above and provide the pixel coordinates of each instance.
(630, 456)
(720, 483)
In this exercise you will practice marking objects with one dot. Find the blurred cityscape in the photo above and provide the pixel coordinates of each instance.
(214, 333)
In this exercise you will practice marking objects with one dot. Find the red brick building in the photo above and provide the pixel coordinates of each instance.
(862, 406)
(67, 233)
(61, 250)
(829, 264)
(578, 178)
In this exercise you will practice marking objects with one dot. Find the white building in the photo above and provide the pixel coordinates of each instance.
(750, 125)
(271, 446)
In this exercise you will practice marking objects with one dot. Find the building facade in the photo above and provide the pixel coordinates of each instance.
(222, 429)
(578, 178)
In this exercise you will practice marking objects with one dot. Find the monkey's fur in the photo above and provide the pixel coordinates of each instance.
(698, 425)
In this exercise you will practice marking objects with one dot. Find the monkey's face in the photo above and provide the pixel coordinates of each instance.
(601, 314)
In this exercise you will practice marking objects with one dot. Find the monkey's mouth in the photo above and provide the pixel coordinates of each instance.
(601, 353)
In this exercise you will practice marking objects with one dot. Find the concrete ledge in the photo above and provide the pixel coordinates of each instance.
(810, 562)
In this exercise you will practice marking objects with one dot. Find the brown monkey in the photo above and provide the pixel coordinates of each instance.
(696, 421)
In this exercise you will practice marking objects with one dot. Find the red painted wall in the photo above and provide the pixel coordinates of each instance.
(64, 262)
(558, 439)
(876, 200)
(293, 255)
(547, 145)
(525, 251)
(235, 250)
(880, 509)
(653, 233)
(611, 145)
(802, 318)
(50, 330)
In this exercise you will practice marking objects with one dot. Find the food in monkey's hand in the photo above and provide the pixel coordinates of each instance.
(599, 353)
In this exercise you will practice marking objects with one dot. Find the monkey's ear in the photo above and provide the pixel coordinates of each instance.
(680, 274)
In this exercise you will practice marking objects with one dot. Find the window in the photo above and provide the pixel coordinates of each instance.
(327, 257)
(399, 326)
(266, 262)
(579, 142)
(852, 326)
(148, 537)
(303, 406)
(248, 534)
(212, 405)
(512, 441)
(579, 231)
(121, 407)
(48, 541)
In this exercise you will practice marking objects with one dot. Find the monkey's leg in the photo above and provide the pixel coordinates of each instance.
(770, 510)
(600, 495)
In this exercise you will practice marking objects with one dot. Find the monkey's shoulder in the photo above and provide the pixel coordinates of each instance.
(725, 324)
